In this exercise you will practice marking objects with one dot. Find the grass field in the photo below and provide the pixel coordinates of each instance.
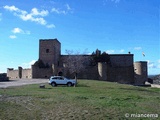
(91, 100)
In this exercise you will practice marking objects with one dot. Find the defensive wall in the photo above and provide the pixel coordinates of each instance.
(120, 68)
(41, 72)
(19, 73)
(13, 74)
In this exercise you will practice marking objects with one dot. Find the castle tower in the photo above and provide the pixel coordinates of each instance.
(49, 51)
(141, 74)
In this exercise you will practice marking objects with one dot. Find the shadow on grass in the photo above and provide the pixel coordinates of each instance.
(45, 88)
(82, 85)
(60, 86)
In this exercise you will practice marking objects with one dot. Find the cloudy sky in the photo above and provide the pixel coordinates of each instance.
(113, 26)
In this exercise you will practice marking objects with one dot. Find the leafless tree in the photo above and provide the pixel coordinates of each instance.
(75, 62)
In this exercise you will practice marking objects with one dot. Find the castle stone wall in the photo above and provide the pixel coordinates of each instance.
(118, 68)
(82, 61)
(41, 72)
(12, 74)
(90, 72)
(27, 73)
(121, 74)
(121, 68)
(19, 73)
(120, 60)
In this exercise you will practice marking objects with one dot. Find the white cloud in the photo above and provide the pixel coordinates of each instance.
(50, 26)
(68, 7)
(58, 11)
(28, 64)
(154, 67)
(137, 48)
(19, 30)
(35, 15)
(115, 51)
(32, 62)
(12, 36)
(65, 10)
(35, 12)
(153, 64)
(110, 51)
(11, 8)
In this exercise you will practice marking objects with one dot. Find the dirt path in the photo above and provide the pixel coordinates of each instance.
(21, 82)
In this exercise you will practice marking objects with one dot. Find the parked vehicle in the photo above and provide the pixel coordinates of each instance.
(60, 80)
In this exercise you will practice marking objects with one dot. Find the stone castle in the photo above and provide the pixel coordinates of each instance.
(110, 67)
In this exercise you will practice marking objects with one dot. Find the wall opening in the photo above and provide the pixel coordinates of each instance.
(47, 50)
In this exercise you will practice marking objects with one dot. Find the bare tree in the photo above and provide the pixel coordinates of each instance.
(75, 62)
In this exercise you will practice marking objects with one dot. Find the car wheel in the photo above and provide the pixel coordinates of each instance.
(69, 84)
(53, 84)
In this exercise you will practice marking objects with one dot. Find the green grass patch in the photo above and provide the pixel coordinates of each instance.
(90, 100)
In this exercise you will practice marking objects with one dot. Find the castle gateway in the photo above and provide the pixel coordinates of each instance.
(110, 67)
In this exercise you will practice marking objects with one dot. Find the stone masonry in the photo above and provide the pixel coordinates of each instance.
(120, 68)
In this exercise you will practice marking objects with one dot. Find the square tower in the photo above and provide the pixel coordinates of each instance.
(49, 51)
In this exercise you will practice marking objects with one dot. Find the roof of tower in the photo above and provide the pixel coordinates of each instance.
(55, 39)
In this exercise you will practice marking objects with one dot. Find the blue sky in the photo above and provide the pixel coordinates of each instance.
(114, 26)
